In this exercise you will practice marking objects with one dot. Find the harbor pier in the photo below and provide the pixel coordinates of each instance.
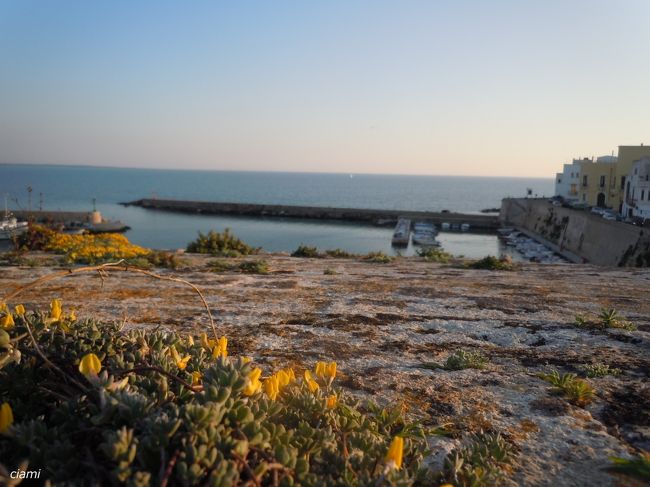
(480, 222)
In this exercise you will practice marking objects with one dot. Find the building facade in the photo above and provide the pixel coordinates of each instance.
(602, 182)
(636, 198)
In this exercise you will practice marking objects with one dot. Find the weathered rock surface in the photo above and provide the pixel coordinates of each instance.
(382, 322)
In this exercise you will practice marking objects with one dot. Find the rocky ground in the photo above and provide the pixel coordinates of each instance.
(383, 322)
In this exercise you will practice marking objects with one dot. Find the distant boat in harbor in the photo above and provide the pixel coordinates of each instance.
(402, 233)
(10, 227)
(425, 234)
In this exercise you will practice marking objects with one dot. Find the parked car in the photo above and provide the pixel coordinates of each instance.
(609, 216)
(596, 210)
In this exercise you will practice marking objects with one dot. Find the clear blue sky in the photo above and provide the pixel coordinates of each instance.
(432, 87)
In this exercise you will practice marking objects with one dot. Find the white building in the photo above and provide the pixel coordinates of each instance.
(567, 182)
(636, 201)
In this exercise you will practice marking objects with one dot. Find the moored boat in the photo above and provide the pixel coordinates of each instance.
(402, 233)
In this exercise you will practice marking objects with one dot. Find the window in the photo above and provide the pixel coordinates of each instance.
(584, 180)
(602, 181)
(622, 183)
(559, 180)
(642, 194)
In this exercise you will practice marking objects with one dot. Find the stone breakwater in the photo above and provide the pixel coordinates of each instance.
(381, 323)
(476, 221)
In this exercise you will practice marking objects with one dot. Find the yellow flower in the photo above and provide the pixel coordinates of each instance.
(325, 370)
(320, 369)
(272, 387)
(6, 417)
(7, 322)
(55, 310)
(190, 341)
(286, 377)
(253, 384)
(331, 401)
(330, 370)
(20, 310)
(395, 451)
(221, 348)
(181, 363)
(246, 359)
(207, 343)
(196, 378)
(3, 307)
(72, 316)
(90, 365)
(311, 383)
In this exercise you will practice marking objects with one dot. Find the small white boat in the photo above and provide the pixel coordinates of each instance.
(445, 226)
(505, 231)
(424, 234)
(10, 227)
(464, 227)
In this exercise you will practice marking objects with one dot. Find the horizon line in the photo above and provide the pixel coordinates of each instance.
(104, 166)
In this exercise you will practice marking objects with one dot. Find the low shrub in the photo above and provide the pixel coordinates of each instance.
(247, 267)
(329, 272)
(107, 407)
(339, 254)
(608, 318)
(484, 460)
(224, 244)
(434, 254)
(600, 370)
(82, 249)
(254, 267)
(460, 360)
(378, 258)
(306, 251)
(492, 263)
(576, 391)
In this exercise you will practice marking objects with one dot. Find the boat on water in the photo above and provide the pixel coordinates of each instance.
(10, 227)
(425, 234)
(402, 233)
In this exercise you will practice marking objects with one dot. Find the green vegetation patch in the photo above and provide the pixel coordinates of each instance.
(306, 251)
(576, 391)
(608, 318)
(224, 244)
(434, 254)
(247, 267)
(460, 360)
(600, 370)
(108, 407)
(378, 258)
(485, 460)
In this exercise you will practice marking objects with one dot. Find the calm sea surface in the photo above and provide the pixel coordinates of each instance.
(73, 188)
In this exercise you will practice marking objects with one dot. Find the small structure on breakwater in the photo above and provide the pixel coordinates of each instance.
(89, 221)
(480, 222)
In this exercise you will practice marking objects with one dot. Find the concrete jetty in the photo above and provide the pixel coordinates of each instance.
(92, 221)
(481, 222)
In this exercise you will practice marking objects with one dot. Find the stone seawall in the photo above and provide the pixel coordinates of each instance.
(590, 237)
(482, 222)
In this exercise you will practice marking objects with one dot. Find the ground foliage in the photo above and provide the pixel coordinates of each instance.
(83, 249)
(223, 244)
(158, 407)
